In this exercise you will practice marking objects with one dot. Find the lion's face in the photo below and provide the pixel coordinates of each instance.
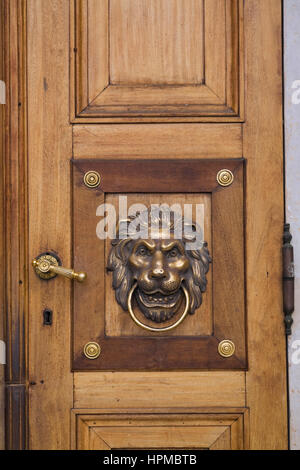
(159, 267)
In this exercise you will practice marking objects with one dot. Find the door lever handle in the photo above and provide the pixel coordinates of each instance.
(48, 266)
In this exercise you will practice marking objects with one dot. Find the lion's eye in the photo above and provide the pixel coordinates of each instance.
(142, 251)
(173, 253)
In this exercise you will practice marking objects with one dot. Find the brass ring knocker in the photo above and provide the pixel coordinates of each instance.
(166, 328)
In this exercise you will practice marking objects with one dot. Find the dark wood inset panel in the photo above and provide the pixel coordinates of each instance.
(160, 351)
(156, 59)
(116, 320)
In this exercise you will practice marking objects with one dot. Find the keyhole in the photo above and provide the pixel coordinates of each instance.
(48, 314)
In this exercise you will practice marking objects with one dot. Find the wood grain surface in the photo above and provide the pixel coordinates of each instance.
(155, 121)
(49, 191)
(263, 149)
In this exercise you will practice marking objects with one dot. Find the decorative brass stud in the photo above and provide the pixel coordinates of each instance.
(42, 266)
(92, 179)
(225, 177)
(92, 350)
(226, 348)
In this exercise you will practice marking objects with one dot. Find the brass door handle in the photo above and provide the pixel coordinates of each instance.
(48, 266)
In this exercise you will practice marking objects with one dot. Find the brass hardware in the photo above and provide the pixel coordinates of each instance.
(161, 272)
(288, 279)
(166, 328)
(92, 179)
(226, 348)
(225, 177)
(46, 266)
(92, 350)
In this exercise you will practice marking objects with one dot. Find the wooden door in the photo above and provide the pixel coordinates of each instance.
(150, 102)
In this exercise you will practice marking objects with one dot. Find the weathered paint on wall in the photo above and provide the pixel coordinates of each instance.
(292, 141)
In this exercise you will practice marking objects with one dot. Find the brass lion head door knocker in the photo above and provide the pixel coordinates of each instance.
(160, 268)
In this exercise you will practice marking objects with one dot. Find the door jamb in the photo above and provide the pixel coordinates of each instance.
(14, 232)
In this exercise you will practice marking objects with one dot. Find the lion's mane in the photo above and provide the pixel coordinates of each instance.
(195, 278)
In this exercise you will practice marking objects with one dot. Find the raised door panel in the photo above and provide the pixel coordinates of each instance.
(223, 429)
(156, 59)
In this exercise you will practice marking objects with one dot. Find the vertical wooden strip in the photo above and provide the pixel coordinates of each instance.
(263, 148)
(49, 150)
(81, 49)
(240, 89)
(15, 183)
(237, 434)
(85, 203)
(246, 429)
(2, 221)
(15, 403)
(215, 46)
(73, 62)
(228, 257)
(98, 60)
(82, 434)
(234, 66)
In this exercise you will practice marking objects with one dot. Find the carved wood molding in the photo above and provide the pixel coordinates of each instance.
(15, 220)
(114, 80)
(211, 429)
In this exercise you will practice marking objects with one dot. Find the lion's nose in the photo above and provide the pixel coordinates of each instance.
(158, 272)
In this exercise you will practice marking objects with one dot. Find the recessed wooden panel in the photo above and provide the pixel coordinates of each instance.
(156, 42)
(155, 59)
(200, 323)
(224, 429)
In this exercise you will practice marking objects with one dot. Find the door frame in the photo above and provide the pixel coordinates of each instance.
(14, 220)
(264, 224)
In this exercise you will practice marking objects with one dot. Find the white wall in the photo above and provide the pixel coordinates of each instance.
(292, 142)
